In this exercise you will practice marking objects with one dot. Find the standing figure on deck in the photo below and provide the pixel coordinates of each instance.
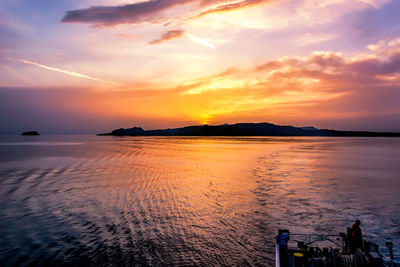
(282, 240)
(356, 237)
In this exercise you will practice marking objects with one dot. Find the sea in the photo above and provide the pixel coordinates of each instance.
(188, 201)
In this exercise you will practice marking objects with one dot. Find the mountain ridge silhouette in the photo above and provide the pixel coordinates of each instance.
(245, 129)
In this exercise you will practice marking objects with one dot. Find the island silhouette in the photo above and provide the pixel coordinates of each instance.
(245, 129)
(30, 133)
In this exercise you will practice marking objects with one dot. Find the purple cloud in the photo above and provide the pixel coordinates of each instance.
(113, 15)
(147, 11)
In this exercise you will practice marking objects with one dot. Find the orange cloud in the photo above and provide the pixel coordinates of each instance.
(324, 89)
(168, 36)
(230, 7)
(322, 84)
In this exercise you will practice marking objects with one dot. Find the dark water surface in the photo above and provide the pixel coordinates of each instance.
(83, 200)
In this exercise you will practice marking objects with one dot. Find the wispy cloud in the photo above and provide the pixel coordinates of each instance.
(311, 39)
(230, 7)
(168, 36)
(173, 34)
(71, 73)
(201, 41)
(147, 11)
(123, 14)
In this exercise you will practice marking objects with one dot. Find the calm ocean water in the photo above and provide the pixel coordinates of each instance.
(85, 200)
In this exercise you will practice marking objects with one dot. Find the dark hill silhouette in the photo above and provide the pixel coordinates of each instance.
(246, 129)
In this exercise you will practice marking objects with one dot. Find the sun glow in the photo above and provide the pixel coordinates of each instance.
(217, 84)
(205, 119)
(208, 62)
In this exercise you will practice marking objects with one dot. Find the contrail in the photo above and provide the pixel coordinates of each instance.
(201, 41)
(79, 75)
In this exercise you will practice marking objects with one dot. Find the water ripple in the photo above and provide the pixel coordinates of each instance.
(187, 201)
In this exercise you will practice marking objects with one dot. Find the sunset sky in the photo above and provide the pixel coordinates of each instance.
(89, 66)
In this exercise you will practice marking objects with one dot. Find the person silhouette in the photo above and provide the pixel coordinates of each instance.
(356, 237)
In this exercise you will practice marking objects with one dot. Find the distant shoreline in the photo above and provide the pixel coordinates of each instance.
(246, 129)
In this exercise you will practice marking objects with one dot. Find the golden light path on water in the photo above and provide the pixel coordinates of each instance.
(177, 201)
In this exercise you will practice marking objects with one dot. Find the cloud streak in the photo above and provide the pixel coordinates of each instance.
(201, 41)
(147, 11)
(173, 34)
(168, 36)
(230, 7)
(71, 73)
(113, 15)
